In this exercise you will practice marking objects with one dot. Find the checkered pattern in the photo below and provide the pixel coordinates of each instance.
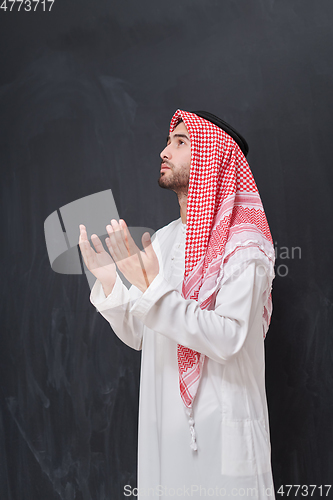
(219, 176)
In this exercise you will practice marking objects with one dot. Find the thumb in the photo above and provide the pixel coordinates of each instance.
(146, 242)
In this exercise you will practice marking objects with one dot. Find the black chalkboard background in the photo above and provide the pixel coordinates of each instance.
(86, 94)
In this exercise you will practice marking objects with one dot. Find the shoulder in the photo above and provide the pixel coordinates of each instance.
(168, 229)
(247, 261)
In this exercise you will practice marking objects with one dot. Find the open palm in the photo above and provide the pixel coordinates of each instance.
(98, 261)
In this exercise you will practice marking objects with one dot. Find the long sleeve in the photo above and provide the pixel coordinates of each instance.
(219, 333)
(116, 310)
(116, 307)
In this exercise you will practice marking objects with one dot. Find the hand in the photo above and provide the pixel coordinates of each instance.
(138, 267)
(100, 262)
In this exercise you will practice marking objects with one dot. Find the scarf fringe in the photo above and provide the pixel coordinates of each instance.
(191, 423)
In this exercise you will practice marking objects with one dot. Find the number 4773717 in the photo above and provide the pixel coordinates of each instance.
(27, 5)
(304, 490)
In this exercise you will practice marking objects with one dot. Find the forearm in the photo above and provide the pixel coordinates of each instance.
(219, 333)
(115, 309)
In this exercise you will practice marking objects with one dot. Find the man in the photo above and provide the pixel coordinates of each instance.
(199, 309)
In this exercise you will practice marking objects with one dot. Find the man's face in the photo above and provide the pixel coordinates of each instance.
(176, 161)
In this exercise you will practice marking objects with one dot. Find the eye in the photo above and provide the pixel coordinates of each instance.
(180, 141)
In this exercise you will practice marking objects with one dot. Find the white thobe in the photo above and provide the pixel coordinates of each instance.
(230, 410)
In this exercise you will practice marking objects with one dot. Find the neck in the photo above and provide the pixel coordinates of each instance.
(182, 200)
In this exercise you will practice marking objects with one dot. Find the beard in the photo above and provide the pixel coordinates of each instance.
(175, 180)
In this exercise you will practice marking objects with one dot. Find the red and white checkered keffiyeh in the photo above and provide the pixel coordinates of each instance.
(224, 214)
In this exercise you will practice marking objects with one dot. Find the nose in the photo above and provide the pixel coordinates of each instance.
(166, 154)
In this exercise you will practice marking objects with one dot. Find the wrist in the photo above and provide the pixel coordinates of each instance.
(108, 287)
(143, 287)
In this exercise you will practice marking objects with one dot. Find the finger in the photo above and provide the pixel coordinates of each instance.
(97, 243)
(130, 243)
(108, 244)
(119, 236)
(113, 244)
(88, 253)
(83, 233)
(125, 234)
(122, 240)
(83, 240)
